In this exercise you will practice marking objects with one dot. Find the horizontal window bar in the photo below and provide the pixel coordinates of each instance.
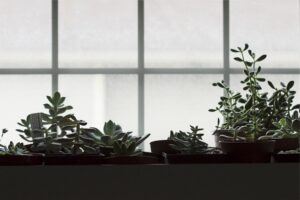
(137, 71)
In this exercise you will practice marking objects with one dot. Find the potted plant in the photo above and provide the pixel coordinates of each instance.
(16, 154)
(289, 156)
(191, 148)
(286, 134)
(120, 147)
(230, 109)
(162, 146)
(285, 121)
(125, 151)
(246, 117)
(60, 137)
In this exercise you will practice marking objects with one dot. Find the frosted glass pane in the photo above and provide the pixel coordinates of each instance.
(183, 33)
(173, 102)
(275, 79)
(98, 33)
(20, 96)
(99, 98)
(270, 27)
(25, 33)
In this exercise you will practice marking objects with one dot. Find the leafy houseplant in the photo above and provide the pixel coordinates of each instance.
(58, 135)
(191, 148)
(119, 147)
(16, 154)
(246, 117)
(189, 142)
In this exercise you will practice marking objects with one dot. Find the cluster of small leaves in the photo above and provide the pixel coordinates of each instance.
(12, 149)
(59, 133)
(287, 127)
(113, 137)
(189, 142)
(128, 147)
(228, 106)
(56, 110)
(255, 114)
(256, 101)
(281, 102)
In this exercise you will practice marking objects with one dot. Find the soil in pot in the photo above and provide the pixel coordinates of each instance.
(248, 152)
(195, 158)
(162, 146)
(132, 160)
(21, 160)
(286, 144)
(67, 159)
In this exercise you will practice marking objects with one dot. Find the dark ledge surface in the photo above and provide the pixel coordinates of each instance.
(143, 182)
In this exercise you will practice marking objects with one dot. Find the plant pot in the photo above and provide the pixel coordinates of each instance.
(132, 160)
(217, 134)
(83, 159)
(107, 151)
(17, 160)
(195, 158)
(287, 158)
(162, 146)
(248, 152)
(286, 144)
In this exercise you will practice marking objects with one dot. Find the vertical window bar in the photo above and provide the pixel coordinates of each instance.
(141, 84)
(226, 40)
(54, 46)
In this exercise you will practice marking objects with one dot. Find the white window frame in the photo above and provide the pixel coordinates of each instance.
(141, 71)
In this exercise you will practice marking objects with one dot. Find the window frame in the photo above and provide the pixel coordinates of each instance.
(140, 71)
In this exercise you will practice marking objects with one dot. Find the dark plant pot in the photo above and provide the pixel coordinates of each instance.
(287, 158)
(195, 158)
(132, 160)
(107, 151)
(162, 146)
(83, 159)
(248, 152)
(19, 160)
(286, 144)
(217, 134)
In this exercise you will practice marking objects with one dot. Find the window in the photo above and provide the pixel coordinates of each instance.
(147, 64)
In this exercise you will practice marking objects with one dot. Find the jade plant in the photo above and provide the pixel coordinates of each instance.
(55, 132)
(253, 115)
(189, 142)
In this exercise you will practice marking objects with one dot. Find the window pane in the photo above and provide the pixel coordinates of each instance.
(99, 98)
(173, 102)
(25, 35)
(98, 33)
(183, 33)
(269, 26)
(20, 96)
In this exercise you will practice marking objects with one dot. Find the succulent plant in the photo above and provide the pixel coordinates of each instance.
(111, 133)
(112, 137)
(56, 132)
(128, 146)
(229, 107)
(286, 127)
(252, 116)
(189, 142)
(56, 112)
(12, 149)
